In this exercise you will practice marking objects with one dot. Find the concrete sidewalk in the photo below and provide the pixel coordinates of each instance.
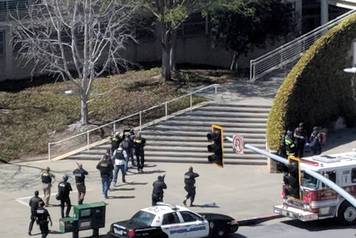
(239, 191)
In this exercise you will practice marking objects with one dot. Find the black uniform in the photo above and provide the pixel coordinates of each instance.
(189, 181)
(34, 204)
(299, 135)
(42, 219)
(157, 193)
(79, 175)
(139, 144)
(64, 189)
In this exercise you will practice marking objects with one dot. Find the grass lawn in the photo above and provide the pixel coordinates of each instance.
(29, 119)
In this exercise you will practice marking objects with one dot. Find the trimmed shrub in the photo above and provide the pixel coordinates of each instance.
(317, 90)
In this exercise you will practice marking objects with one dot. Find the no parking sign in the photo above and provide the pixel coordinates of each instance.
(238, 144)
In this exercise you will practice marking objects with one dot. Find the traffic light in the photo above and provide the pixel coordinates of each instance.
(217, 137)
(292, 180)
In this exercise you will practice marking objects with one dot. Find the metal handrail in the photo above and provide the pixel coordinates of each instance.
(299, 45)
(139, 113)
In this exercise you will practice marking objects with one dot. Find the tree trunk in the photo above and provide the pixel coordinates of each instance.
(172, 52)
(83, 108)
(166, 67)
(235, 62)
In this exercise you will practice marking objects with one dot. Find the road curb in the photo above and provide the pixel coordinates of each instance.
(256, 220)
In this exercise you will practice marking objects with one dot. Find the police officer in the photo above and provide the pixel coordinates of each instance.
(79, 175)
(34, 203)
(315, 141)
(47, 179)
(189, 181)
(43, 217)
(64, 189)
(139, 143)
(105, 167)
(289, 144)
(299, 136)
(157, 193)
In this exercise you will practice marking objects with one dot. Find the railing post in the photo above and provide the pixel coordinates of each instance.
(88, 140)
(114, 127)
(251, 77)
(140, 116)
(215, 89)
(49, 151)
(191, 101)
(166, 109)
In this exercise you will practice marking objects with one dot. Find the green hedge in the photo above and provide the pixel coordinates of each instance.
(316, 91)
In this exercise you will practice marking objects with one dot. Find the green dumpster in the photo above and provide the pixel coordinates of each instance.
(86, 216)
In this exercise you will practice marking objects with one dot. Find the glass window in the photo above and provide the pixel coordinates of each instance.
(2, 42)
(170, 218)
(309, 181)
(189, 217)
(353, 175)
(143, 218)
(331, 175)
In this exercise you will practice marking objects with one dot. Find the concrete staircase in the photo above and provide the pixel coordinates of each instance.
(183, 137)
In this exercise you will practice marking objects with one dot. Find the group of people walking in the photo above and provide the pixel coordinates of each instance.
(38, 211)
(294, 142)
(126, 146)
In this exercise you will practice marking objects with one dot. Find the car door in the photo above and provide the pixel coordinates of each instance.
(172, 225)
(195, 225)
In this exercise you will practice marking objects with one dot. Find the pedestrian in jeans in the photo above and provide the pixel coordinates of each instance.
(79, 175)
(105, 167)
(47, 179)
(120, 157)
(139, 144)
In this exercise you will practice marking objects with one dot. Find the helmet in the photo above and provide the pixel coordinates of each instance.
(65, 178)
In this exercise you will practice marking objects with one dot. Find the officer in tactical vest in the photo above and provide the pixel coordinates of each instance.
(139, 144)
(300, 139)
(47, 179)
(43, 218)
(157, 193)
(189, 181)
(289, 144)
(64, 189)
(79, 175)
(34, 203)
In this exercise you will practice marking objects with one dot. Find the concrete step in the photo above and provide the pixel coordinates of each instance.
(209, 123)
(221, 119)
(242, 105)
(182, 138)
(228, 114)
(194, 154)
(223, 108)
(205, 129)
(227, 160)
(202, 134)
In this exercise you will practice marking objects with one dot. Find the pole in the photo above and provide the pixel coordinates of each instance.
(88, 140)
(314, 174)
(166, 109)
(140, 116)
(191, 101)
(49, 151)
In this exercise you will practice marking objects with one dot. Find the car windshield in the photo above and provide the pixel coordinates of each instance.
(143, 218)
(309, 181)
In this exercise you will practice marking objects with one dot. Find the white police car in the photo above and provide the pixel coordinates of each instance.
(167, 221)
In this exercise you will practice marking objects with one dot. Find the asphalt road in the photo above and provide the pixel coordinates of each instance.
(282, 228)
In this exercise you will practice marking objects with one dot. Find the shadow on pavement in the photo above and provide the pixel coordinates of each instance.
(320, 225)
(136, 183)
(236, 235)
(122, 189)
(121, 197)
(340, 137)
(148, 172)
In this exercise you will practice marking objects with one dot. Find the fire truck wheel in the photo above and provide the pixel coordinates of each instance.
(347, 214)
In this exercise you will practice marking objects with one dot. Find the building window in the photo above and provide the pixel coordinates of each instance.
(2, 42)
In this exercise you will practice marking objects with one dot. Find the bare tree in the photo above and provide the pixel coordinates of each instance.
(76, 40)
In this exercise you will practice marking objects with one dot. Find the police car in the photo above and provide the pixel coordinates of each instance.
(168, 221)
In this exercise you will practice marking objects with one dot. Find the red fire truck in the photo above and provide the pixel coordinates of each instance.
(317, 201)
